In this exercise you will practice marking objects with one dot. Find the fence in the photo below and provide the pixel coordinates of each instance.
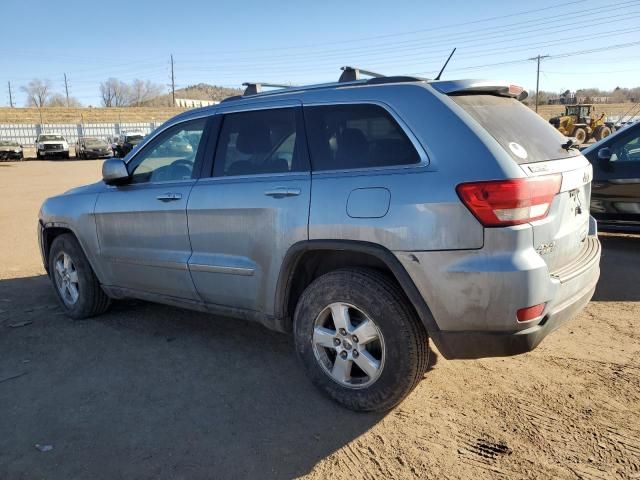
(26, 134)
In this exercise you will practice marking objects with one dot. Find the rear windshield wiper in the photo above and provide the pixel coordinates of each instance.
(570, 144)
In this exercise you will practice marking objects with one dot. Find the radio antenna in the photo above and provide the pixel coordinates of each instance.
(445, 64)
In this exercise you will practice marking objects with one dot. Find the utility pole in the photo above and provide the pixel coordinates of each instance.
(66, 88)
(538, 58)
(173, 85)
(10, 95)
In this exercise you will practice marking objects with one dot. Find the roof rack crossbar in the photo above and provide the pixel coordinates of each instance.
(254, 88)
(351, 74)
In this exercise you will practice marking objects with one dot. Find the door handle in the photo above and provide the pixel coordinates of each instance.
(169, 197)
(281, 192)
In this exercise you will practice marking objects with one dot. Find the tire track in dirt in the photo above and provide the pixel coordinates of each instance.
(582, 440)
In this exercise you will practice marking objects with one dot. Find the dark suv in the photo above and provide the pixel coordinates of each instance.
(126, 142)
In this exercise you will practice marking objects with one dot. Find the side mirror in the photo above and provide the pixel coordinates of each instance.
(604, 153)
(114, 172)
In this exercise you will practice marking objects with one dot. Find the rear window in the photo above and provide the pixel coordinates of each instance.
(524, 135)
(356, 136)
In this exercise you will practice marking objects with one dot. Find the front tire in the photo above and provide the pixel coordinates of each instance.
(74, 282)
(360, 340)
(580, 134)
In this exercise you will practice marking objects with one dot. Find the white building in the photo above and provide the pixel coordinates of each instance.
(192, 103)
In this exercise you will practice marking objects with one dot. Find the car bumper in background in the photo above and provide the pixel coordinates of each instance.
(10, 155)
(46, 153)
(98, 155)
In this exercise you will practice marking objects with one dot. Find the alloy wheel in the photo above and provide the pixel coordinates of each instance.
(66, 277)
(348, 345)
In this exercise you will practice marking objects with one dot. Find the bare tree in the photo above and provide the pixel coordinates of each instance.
(38, 92)
(106, 92)
(143, 91)
(115, 93)
(59, 100)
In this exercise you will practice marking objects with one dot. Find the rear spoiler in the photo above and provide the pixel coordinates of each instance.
(490, 87)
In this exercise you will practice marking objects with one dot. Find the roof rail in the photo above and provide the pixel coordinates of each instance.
(351, 74)
(253, 88)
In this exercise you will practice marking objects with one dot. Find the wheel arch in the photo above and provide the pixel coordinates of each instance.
(307, 260)
(49, 232)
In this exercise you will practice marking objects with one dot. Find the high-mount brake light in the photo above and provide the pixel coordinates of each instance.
(502, 203)
(515, 90)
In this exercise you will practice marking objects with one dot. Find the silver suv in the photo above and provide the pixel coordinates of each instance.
(363, 216)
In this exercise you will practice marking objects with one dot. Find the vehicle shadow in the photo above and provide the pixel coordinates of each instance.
(619, 267)
(153, 391)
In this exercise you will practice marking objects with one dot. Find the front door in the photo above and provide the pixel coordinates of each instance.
(616, 185)
(142, 226)
(244, 218)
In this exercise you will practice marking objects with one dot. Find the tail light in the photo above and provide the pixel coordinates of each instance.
(500, 203)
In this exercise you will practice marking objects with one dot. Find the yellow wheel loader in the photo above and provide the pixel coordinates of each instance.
(582, 123)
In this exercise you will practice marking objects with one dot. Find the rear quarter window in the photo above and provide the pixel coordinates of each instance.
(523, 134)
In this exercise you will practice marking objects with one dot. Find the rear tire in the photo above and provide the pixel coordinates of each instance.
(74, 282)
(395, 341)
(580, 134)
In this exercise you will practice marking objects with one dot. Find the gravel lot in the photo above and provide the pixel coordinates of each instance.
(149, 391)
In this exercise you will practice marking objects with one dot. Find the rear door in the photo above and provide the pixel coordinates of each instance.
(616, 186)
(252, 209)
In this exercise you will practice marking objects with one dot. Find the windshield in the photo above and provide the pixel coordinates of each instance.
(134, 138)
(523, 134)
(49, 138)
(5, 143)
(94, 142)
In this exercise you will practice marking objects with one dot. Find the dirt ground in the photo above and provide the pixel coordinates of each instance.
(148, 391)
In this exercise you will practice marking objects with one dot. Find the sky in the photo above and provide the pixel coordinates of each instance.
(591, 43)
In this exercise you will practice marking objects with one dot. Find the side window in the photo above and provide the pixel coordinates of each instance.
(170, 157)
(356, 136)
(627, 150)
(258, 142)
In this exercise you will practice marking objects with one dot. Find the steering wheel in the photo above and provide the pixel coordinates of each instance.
(182, 162)
(623, 154)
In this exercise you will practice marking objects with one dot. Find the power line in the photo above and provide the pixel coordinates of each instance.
(469, 53)
(390, 35)
(551, 57)
(446, 40)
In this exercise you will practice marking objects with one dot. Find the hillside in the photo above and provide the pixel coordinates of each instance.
(160, 114)
(88, 115)
(201, 91)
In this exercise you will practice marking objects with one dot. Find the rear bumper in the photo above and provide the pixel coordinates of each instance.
(471, 345)
(474, 295)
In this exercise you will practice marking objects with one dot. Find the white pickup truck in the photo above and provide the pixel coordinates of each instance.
(51, 145)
